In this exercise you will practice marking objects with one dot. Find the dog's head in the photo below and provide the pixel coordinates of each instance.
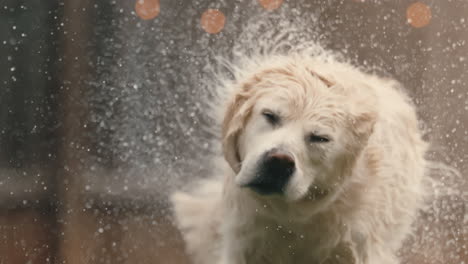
(294, 133)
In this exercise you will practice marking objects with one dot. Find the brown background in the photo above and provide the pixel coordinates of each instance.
(92, 138)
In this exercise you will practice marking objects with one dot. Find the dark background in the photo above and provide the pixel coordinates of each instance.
(102, 115)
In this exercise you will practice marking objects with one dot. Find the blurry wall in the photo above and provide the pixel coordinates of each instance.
(28, 130)
(102, 112)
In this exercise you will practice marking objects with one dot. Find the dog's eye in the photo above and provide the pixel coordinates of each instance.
(318, 139)
(271, 117)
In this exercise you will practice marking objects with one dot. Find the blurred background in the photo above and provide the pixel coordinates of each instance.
(102, 112)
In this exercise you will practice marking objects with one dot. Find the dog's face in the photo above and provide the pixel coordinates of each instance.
(293, 134)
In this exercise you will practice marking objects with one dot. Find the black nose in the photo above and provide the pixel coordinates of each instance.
(273, 172)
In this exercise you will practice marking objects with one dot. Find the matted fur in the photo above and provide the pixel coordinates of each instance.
(370, 176)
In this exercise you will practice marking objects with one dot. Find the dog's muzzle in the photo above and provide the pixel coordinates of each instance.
(273, 172)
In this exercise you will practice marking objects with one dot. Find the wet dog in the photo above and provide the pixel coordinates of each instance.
(324, 164)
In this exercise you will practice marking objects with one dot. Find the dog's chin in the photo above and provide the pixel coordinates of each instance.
(302, 206)
(316, 193)
(312, 194)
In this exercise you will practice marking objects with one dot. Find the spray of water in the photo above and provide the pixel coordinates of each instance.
(158, 109)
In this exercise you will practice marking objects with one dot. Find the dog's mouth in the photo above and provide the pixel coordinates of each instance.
(273, 172)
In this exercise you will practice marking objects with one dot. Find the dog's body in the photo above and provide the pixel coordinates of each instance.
(326, 166)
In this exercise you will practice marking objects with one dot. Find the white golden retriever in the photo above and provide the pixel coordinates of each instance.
(326, 165)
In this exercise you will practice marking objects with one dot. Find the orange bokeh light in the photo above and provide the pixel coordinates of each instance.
(271, 4)
(212, 21)
(147, 9)
(418, 14)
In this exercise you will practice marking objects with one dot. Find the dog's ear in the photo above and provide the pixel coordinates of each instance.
(364, 114)
(361, 105)
(327, 81)
(235, 118)
(363, 124)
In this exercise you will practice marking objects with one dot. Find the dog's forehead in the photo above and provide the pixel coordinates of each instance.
(298, 103)
(289, 83)
(274, 100)
(294, 91)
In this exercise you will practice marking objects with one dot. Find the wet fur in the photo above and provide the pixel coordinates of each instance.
(381, 179)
